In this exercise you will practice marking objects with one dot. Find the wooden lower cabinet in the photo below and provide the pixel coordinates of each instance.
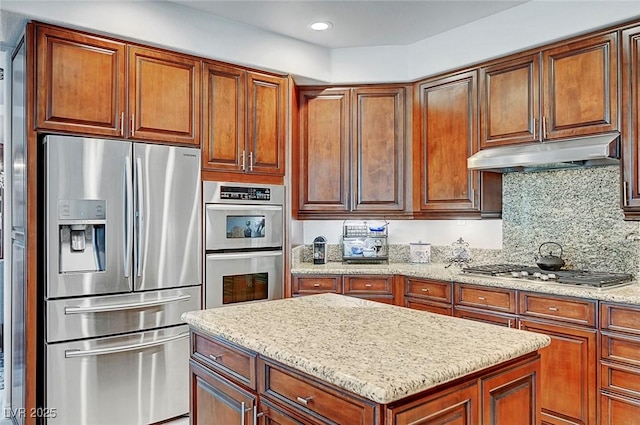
(619, 364)
(505, 394)
(378, 288)
(217, 401)
(429, 295)
(568, 370)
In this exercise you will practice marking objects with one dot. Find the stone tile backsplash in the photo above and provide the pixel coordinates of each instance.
(577, 208)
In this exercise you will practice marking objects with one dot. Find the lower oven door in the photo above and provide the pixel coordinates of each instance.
(239, 277)
(133, 379)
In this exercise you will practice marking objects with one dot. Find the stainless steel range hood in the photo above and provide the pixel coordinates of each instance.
(602, 149)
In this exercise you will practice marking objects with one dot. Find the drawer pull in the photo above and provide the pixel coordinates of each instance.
(316, 285)
(214, 357)
(425, 289)
(482, 298)
(304, 400)
(368, 285)
(553, 308)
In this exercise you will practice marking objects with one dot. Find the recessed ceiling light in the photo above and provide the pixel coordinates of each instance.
(320, 26)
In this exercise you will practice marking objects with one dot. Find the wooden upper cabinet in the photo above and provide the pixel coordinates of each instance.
(244, 120)
(267, 99)
(350, 156)
(223, 110)
(448, 136)
(164, 96)
(509, 102)
(379, 148)
(631, 122)
(580, 81)
(322, 153)
(80, 82)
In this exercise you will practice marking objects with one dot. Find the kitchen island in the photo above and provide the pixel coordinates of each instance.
(328, 358)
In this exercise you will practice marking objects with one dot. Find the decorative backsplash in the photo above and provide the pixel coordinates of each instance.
(577, 208)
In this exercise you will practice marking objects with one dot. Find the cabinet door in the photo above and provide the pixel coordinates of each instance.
(267, 98)
(217, 401)
(459, 407)
(322, 151)
(224, 114)
(568, 373)
(512, 397)
(581, 87)
(448, 109)
(379, 149)
(509, 102)
(164, 96)
(80, 83)
(631, 121)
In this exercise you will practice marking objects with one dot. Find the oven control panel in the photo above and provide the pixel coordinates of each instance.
(245, 193)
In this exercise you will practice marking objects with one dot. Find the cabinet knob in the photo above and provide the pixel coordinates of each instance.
(316, 285)
(482, 298)
(368, 285)
(553, 308)
(425, 289)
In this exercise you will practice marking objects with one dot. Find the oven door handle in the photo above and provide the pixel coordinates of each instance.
(124, 306)
(243, 255)
(122, 348)
(234, 207)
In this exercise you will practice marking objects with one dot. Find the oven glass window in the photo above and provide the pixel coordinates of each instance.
(245, 226)
(244, 287)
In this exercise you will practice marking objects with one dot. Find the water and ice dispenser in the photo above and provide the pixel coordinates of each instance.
(82, 225)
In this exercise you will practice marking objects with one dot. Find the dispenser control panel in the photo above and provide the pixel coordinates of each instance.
(82, 209)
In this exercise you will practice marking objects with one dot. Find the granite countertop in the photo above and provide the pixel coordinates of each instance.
(380, 352)
(627, 294)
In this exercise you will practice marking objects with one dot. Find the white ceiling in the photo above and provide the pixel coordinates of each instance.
(355, 23)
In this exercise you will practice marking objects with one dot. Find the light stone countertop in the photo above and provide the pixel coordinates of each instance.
(380, 352)
(627, 294)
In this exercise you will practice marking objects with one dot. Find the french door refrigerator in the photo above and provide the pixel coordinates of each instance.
(123, 263)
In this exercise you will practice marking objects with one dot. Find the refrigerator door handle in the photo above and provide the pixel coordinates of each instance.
(120, 349)
(74, 309)
(140, 216)
(128, 236)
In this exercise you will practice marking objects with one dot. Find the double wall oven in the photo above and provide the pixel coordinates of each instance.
(243, 243)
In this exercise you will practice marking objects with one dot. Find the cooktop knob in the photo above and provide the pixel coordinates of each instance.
(537, 275)
(515, 274)
(544, 277)
(524, 273)
(552, 276)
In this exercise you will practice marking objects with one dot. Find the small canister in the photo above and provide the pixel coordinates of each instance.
(420, 252)
(320, 250)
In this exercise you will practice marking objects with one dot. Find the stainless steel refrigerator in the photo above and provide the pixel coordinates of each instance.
(123, 263)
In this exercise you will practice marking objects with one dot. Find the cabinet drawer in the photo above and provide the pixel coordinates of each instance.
(575, 311)
(487, 298)
(317, 284)
(620, 348)
(354, 285)
(505, 320)
(313, 398)
(620, 378)
(233, 362)
(428, 289)
(438, 308)
(620, 318)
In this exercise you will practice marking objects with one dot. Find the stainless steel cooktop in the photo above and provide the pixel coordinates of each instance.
(585, 278)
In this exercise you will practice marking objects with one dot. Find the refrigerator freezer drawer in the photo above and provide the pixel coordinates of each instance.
(134, 379)
(91, 317)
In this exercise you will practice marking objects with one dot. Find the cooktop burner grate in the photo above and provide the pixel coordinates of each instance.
(567, 277)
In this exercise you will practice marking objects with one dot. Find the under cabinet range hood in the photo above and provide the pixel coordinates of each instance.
(603, 149)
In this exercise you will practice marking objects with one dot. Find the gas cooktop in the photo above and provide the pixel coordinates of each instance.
(583, 278)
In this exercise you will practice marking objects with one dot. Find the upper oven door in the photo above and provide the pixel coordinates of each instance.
(243, 226)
